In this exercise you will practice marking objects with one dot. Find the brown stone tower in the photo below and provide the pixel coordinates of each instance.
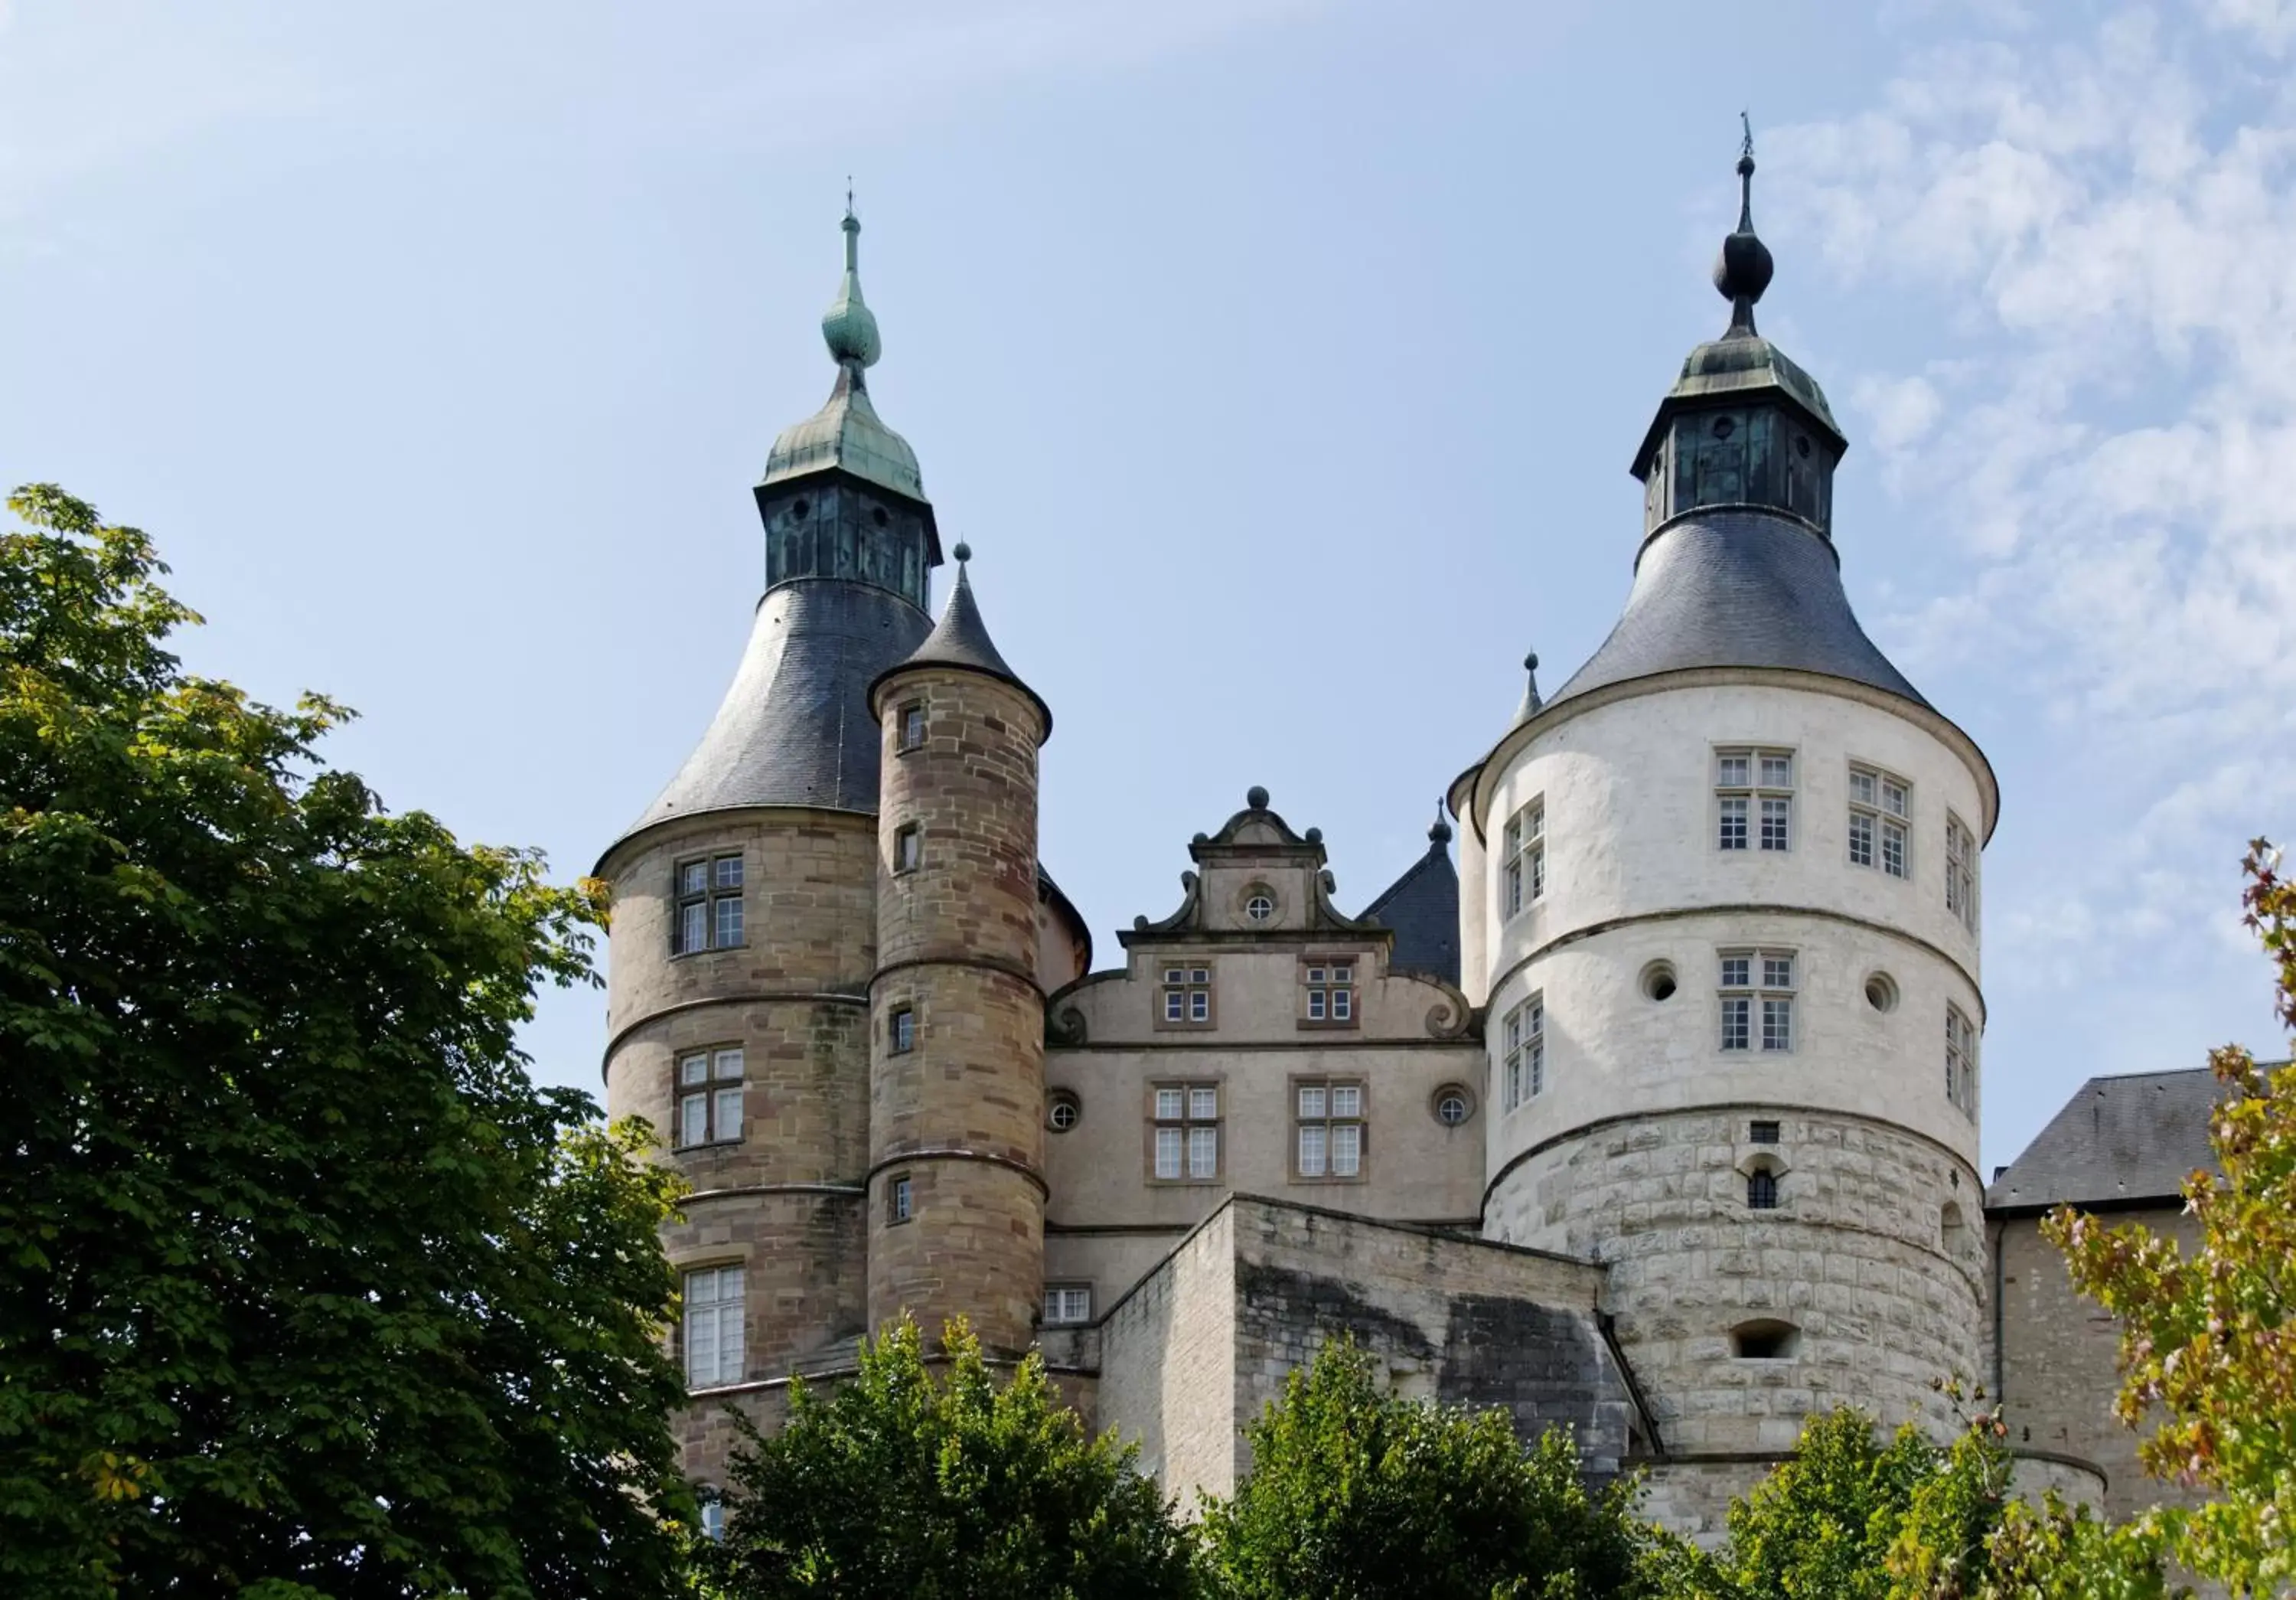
(744, 931)
(956, 1190)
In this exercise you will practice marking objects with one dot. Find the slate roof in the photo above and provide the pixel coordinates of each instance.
(2118, 1141)
(1737, 588)
(1422, 907)
(795, 728)
(960, 639)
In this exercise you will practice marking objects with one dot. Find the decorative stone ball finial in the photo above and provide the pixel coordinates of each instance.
(1256, 798)
(964, 552)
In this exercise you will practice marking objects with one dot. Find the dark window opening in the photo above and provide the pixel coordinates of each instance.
(1764, 1340)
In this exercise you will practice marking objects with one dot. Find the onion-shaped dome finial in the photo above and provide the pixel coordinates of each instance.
(849, 324)
(1743, 270)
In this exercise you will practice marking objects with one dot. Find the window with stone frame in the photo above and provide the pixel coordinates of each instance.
(1762, 1190)
(1960, 1059)
(1184, 999)
(1757, 989)
(707, 915)
(900, 1030)
(1327, 1129)
(709, 1096)
(910, 722)
(1523, 1061)
(1066, 1304)
(1753, 798)
(1961, 871)
(711, 1326)
(908, 847)
(1184, 1132)
(1523, 871)
(1328, 991)
(1880, 820)
(900, 1198)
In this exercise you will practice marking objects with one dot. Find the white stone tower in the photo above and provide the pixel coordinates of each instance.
(1718, 896)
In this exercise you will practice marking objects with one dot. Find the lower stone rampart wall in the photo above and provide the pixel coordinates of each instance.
(1872, 1262)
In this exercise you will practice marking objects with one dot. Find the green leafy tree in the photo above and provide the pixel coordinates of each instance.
(2208, 1347)
(1854, 1517)
(1356, 1494)
(906, 1484)
(306, 1289)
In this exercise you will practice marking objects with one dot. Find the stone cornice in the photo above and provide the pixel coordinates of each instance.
(763, 996)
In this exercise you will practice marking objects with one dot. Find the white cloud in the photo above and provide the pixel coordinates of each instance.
(2108, 226)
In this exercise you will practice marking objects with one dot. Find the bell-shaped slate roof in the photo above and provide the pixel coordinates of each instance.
(1737, 588)
(795, 727)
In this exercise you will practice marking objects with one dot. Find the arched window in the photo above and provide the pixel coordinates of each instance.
(1762, 1190)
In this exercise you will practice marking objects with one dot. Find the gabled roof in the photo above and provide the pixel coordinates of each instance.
(2119, 1141)
(1422, 907)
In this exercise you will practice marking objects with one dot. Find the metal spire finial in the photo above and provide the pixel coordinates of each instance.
(1743, 270)
(849, 324)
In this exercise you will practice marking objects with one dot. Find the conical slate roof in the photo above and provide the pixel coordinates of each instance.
(1422, 907)
(960, 639)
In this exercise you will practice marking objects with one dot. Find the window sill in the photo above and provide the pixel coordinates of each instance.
(1185, 1183)
(731, 1144)
(1329, 1180)
(1327, 1025)
(711, 950)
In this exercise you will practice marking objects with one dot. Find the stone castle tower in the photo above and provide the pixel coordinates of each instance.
(824, 985)
(1656, 1120)
(1727, 945)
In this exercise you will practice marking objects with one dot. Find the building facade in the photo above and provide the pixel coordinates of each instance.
(1656, 1117)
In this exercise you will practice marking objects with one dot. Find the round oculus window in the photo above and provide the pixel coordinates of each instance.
(1260, 906)
(1062, 1111)
(1881, 991)
(1725, 426)
(1452, 1107)
(1658, 980)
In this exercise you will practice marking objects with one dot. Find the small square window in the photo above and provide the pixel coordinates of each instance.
(1170, 1106)
(1186, 996)
(1764, 1132)
(1067, 1303)
(1203, 1103)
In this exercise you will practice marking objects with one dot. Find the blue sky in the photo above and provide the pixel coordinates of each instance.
(1282, 361)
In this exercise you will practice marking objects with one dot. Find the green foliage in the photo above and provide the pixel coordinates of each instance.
(904, 1485)
(2208, 1344)
(1851, 1517)
(305, 1287)
(1356, 1494)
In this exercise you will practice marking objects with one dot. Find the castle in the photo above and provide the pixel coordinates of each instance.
(1657, 1117)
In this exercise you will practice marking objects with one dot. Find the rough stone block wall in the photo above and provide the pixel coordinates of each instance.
(1856, 1256)
(2059, 1373)
(959, 1114)
(1168, 1366)
(1454, 1319)
(784, 1201)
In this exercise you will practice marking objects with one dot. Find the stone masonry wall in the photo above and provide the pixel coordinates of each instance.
(784, 1201)
(2058, 1364)
(1856, 1258)
(1452, 1318)
(1168, 1364)
(958, 1114)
